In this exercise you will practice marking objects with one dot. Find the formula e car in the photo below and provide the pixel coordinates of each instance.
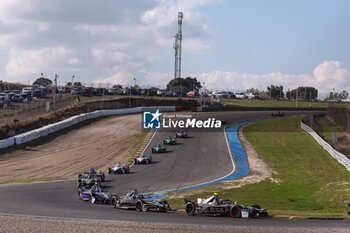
(146, 159)
(158, 149)
(94, 195)
(169, 141)
(277, 114)
(87, 179)
(209, 206)
(119, 169)
(223, 121)
(181, 134)
(133, 200)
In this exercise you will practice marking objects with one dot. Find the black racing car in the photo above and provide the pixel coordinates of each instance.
(133, 200)
(209, 206)
(277, 114)
(181, 134)
(88, 180)
(94, 195)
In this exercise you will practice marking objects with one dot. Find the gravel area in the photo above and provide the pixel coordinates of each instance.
(98, 145)
(41, 224)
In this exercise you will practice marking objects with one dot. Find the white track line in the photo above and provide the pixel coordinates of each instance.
(144, 149)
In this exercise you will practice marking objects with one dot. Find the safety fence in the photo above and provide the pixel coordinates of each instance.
(340, 116)
(51, 128)
(341, 158)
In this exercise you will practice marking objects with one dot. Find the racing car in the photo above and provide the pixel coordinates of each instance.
(88, 180)
(211, 206)
(223, 121)
(94, 194)
(169, 141)
(277, 114)
(133, 200)
(142, 158)
(119, 169)
(181, 134)
(158, 149)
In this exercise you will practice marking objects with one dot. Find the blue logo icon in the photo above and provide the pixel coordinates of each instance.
(151, 120)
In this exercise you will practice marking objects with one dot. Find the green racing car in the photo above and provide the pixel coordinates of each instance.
(169, 141)
(158, 149)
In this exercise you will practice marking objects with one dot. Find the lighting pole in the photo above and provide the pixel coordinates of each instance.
(72, 79)
(54, 94)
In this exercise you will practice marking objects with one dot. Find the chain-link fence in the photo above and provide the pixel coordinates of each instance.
(340, 116)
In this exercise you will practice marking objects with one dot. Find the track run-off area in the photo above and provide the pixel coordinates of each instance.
(203, 157)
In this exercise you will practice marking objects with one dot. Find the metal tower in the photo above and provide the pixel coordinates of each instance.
(177, 47)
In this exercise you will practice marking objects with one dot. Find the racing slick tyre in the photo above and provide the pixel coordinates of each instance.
(109, 170)
(235, 212)
(79, 178)
(139, 206)
(114, 202)
(79, 194)
(190, 208)
(153, 150)
(147, 162)
(90, 199)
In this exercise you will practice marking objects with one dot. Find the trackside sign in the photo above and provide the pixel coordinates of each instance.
(155, 120)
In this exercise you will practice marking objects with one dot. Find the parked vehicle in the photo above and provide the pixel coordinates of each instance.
(192, 94)
(17, 98)
(240, 95)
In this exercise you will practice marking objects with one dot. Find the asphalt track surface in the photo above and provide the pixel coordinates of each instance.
(201, 158)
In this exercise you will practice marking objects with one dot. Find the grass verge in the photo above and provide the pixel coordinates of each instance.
(310, 181)
(25, 181)
(275, 103)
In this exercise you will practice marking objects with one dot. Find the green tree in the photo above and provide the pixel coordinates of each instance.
(78, 84)
(275, 92)
(184, 84)
(118, 86)
(42, 81)
(304, 93)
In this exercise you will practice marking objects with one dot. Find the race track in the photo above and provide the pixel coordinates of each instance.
(201, 158)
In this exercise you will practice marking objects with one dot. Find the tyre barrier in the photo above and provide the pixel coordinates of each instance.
(341, 158)
(51, 128)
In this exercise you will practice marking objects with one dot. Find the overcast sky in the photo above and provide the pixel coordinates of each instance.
(226, 44)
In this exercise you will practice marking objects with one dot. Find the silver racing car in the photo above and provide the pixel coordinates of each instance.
(133, 200)
(217, 207)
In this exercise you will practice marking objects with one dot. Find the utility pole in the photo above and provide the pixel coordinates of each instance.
(296, 98)
(130, 97)
(54, 94)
